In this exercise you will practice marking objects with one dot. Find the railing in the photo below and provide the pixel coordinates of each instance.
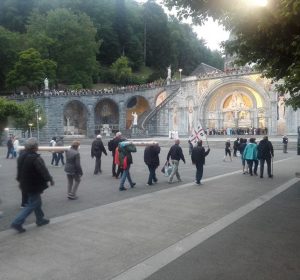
(170, 97)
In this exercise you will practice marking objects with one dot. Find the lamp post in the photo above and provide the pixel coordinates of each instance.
(30, 132)
(37, 123)
(180, 70)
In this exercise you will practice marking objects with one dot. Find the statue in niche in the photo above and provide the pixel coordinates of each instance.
(236, 101)
(281, 107)
(135, 118)
(191, 114)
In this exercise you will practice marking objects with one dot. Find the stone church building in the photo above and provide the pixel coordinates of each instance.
(223, 102)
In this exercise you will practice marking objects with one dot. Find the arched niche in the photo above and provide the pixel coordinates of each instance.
(138, 105)
(75, 118)
(106, 115)
(106, 112)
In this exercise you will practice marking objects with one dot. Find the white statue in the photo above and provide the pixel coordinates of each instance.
(169, 73)
(135, 118)
(46, 83)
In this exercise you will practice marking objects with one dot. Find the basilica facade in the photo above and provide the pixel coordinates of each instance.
(239, 102)
(222, 102)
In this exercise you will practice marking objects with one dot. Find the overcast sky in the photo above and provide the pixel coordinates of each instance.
(211, 32)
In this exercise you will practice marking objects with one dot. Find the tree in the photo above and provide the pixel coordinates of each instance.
(28, 115)
(158, 43)
(69, 39)
(267, 36)
(10, 43)
(8, 108)
(30, 70)
(121, 71)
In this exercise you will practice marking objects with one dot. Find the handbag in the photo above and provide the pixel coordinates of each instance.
(167, 169)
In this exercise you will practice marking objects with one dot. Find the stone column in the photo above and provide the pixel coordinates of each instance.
(90, 126)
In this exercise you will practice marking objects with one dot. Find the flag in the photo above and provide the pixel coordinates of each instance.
(197, 134)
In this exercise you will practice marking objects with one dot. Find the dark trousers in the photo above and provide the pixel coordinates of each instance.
(250, 163)
(54, 158)
(10, 151)
(262, 162)
(114, 166)
(24, 199)
(199, 172)
(97, 165)
(152, 176)
(60, 157)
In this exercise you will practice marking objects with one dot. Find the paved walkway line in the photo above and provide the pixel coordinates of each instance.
(156, 262)
(59, 219)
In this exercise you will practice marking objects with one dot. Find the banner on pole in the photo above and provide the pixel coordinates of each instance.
(198, 134)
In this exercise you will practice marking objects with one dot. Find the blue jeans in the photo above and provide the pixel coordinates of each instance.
(152, 176)
(126, 174)
(34, 203)
(199, 172)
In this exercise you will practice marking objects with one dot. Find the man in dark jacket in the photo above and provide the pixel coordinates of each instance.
(10, 148)
(96, 151)
(265, 153)
(73, 169)
(198, 158)
(176, 154)
(151, 159)
(112, 145)
(33, 176)
(236, 146)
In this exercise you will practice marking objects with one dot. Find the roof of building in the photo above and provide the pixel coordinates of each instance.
(204, 69)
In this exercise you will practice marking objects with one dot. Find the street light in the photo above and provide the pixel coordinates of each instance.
(180, 70)
(37, 123)
(30, 132)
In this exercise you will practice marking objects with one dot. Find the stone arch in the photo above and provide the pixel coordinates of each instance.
(136, 104)
(106, 115)
(220, 111)
(75, 118)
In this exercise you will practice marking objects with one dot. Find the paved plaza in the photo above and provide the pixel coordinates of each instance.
(234, 226)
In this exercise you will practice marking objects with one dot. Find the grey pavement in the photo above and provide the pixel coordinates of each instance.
(140, 233)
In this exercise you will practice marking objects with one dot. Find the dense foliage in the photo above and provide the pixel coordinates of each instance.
(268, 36)
(20, 114)
(79, 42)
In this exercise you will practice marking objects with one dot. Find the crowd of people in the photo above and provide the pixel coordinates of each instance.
(252, 154)
(34, 177)
(81, 92)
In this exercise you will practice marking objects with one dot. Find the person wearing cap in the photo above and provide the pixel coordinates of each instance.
(176, 154)
(73, 169)
(285, 141)
(96, 151)
(265, 154)
(198, 158)
(33, 177)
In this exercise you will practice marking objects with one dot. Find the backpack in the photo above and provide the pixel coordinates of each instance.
(111, 145)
